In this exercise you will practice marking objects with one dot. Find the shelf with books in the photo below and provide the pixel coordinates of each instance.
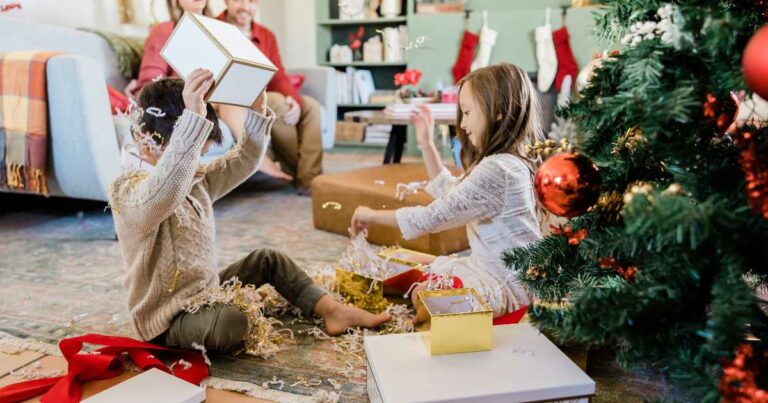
(367, 21)
(372, 106)
(365, 64)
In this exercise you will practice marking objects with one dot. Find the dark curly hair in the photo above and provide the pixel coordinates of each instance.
(165, 95)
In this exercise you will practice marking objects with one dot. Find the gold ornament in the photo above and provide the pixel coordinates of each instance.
(609, 207)
(639, 189)
(544, 149)
(629, 141)
(127, 13)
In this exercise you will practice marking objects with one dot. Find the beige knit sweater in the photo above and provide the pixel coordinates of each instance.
(164, 218)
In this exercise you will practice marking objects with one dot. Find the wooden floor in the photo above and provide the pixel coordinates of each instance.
(35, 361)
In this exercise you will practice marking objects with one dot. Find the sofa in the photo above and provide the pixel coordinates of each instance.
(84, 152)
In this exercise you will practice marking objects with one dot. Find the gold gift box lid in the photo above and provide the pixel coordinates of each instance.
(454, 321)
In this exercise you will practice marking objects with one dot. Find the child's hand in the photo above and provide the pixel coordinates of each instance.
(195, 87)
(261, 103)
(425, 126)
(361, 219)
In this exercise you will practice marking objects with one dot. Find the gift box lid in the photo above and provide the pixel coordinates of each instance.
(523, 366)
(151, 386)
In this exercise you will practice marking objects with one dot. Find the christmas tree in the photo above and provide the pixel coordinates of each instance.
(668, 265)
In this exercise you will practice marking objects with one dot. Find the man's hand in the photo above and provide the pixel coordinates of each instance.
(195, 87)
(294, 113)
(130, 89)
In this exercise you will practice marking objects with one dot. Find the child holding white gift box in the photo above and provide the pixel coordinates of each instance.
(498, 115)
(162, 206)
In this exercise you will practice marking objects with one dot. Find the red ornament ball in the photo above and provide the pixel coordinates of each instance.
(755, 62)
(567, 184)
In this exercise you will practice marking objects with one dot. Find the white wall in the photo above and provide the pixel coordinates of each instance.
(292, 21)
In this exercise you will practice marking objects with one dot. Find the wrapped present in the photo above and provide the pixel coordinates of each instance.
(454, 321)
(335, 197)
(524, 366)
(241, 72)
(366, 276)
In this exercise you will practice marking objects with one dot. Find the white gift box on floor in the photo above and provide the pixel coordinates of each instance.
(523, 366)
(240, 70)
(152, 386)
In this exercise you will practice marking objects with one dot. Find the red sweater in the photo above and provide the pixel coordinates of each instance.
(153, 65)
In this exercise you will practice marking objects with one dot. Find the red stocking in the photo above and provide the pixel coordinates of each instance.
(463, 63)
(566, 63)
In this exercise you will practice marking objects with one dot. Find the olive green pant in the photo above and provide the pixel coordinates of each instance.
(222, 327)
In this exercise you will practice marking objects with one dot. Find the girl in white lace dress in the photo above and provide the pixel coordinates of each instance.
(498, 115)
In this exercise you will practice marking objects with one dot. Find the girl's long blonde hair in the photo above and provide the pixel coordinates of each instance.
(503, 90)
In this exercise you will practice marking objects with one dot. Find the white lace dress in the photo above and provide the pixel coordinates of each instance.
(496, 203)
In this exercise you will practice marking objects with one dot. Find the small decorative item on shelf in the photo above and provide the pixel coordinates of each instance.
(392, 40)
(373, 52)
(341, 54)
(439, 7)
(356, 43)
(391, 8)
(454, 321)
(412, 95)
(351, 9)
(373, 6)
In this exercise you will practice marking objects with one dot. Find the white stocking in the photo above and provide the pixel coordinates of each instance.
(546, 56)
(487, 41)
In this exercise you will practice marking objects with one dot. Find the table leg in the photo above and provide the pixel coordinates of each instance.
(397, 138)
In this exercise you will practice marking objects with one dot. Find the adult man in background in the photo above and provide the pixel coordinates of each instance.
(296, 133)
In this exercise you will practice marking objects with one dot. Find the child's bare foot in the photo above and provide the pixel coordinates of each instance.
(339, 317)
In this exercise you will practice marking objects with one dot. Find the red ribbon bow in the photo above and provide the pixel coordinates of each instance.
(574, 238)
(628, 273)
(104, 363)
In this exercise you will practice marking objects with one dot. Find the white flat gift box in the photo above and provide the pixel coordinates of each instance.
(152, 386)
(240, 70)
(523, 366)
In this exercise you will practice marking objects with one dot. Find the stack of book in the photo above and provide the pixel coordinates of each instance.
(377, 134)
(354, 86)
(405, 111)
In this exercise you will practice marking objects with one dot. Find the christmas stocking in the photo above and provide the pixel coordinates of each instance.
(545, 55)
(566, 63)
(467, 51)
(487, 41)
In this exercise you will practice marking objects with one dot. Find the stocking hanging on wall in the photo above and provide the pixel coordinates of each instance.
(487, 41)
(463, 63)
(566, 63)
(545, 55)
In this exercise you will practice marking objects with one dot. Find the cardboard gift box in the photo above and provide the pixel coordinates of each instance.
(335, 197)
(240, 70)
(524, 366)
(403, 267)
(454, 321)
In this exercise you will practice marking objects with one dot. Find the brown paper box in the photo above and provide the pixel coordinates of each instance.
(336, 196)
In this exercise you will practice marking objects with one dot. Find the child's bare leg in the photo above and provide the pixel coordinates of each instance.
(338, 317)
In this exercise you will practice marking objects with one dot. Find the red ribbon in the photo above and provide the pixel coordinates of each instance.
(574, 238)
(104, 363)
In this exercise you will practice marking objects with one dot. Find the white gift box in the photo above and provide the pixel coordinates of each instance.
(151, 386)
(523, 366)
(240, 70)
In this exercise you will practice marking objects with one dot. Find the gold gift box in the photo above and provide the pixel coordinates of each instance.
(454, 321)
(369, 293)
(363, 292)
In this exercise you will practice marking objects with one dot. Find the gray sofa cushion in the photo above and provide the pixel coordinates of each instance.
(18, 34)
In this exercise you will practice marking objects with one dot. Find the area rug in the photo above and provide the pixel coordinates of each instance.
(61, 276)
